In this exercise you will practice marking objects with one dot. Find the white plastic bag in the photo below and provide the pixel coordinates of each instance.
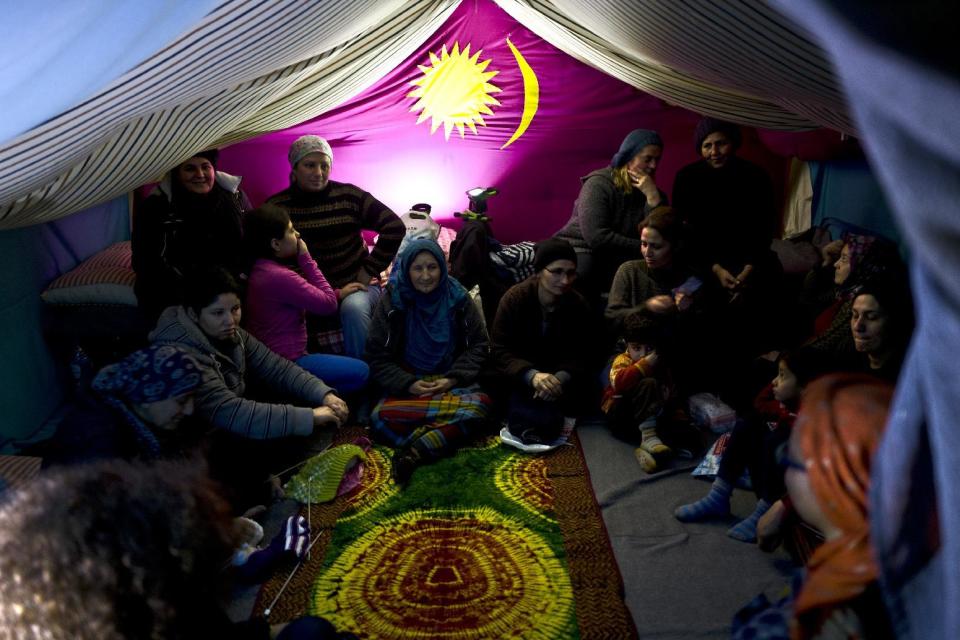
(709, 411)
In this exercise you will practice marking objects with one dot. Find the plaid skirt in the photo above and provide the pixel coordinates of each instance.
(434, 425)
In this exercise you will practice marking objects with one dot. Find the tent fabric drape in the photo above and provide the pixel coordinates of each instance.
(254, 66)
(797, 210)
(913, 143)
(740, 61)
(277, 64)
(57, 55)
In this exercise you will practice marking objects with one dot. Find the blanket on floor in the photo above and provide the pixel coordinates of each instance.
(489, 543)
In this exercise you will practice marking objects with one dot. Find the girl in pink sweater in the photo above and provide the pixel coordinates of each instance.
(286, 284)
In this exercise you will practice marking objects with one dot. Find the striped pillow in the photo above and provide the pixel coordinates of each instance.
(17, 470)
(105, 278)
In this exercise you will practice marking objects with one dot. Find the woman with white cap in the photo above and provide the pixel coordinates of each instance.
(330, 216)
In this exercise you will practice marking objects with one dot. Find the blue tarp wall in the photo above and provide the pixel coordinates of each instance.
(848, 190)
(31, 383)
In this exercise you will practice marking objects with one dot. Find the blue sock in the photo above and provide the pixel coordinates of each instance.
(746, 529)
(714, 504)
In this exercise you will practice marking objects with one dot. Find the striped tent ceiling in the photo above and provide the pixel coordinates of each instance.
(281, 62)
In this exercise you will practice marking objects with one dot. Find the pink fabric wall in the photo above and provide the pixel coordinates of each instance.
(583, 115)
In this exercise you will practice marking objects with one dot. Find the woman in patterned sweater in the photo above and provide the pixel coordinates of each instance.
(861, 259)
(330, 217)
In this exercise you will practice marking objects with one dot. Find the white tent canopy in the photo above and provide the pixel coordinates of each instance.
(250, 67)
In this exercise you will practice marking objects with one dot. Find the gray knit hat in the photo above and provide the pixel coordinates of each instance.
(305, 145)
(632, 144)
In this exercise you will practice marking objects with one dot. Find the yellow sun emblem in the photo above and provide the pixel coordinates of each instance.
(454, 90)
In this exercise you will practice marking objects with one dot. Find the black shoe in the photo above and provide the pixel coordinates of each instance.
(404, 464)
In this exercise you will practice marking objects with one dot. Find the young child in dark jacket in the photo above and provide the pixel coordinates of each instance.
(634, 396)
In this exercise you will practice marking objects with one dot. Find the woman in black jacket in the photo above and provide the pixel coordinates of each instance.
(544, 345)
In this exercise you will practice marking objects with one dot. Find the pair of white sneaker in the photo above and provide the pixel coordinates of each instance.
(507, 438)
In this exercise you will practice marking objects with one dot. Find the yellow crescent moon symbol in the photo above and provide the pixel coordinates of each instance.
(531, 94)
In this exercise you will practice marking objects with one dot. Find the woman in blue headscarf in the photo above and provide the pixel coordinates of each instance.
(426, 346)
(612, 202)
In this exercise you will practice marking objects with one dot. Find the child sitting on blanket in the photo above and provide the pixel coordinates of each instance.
(635, 395)
(753, 445)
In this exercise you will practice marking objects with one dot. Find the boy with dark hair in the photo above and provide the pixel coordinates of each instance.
(634, 397)
(753, 445)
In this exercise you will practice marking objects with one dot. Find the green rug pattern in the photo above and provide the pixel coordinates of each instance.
(489, 543)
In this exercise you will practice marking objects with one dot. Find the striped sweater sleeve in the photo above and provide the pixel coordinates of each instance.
(376, 216)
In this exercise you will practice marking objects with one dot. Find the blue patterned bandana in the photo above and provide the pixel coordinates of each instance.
(156, 373)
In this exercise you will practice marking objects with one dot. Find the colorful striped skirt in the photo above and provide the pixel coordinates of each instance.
(434, 425)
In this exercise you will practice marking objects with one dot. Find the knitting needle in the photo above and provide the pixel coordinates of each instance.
(310, 499)
(266, 612)
(302, 462)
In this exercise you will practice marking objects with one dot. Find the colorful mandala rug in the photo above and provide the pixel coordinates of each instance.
(490, 543)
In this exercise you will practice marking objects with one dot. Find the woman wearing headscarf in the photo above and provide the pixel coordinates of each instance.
(862, 259)
(426, 347)
(729, 205)
(191, 220)
(132, 409)
(821, 324)
(612, 202)
(828, 461)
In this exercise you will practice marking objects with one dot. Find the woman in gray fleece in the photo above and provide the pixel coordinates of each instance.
(208, 326)
(252, 439)
(612, 202)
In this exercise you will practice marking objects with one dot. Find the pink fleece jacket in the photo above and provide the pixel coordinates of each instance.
(278, 299)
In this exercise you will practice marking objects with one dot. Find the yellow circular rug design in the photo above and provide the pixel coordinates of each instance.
(375, 488)
(467, 573)
(523, 479)
(487, 442)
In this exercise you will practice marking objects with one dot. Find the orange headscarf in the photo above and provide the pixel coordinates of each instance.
(839, 426)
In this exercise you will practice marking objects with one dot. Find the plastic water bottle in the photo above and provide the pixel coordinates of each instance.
(80, 365)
